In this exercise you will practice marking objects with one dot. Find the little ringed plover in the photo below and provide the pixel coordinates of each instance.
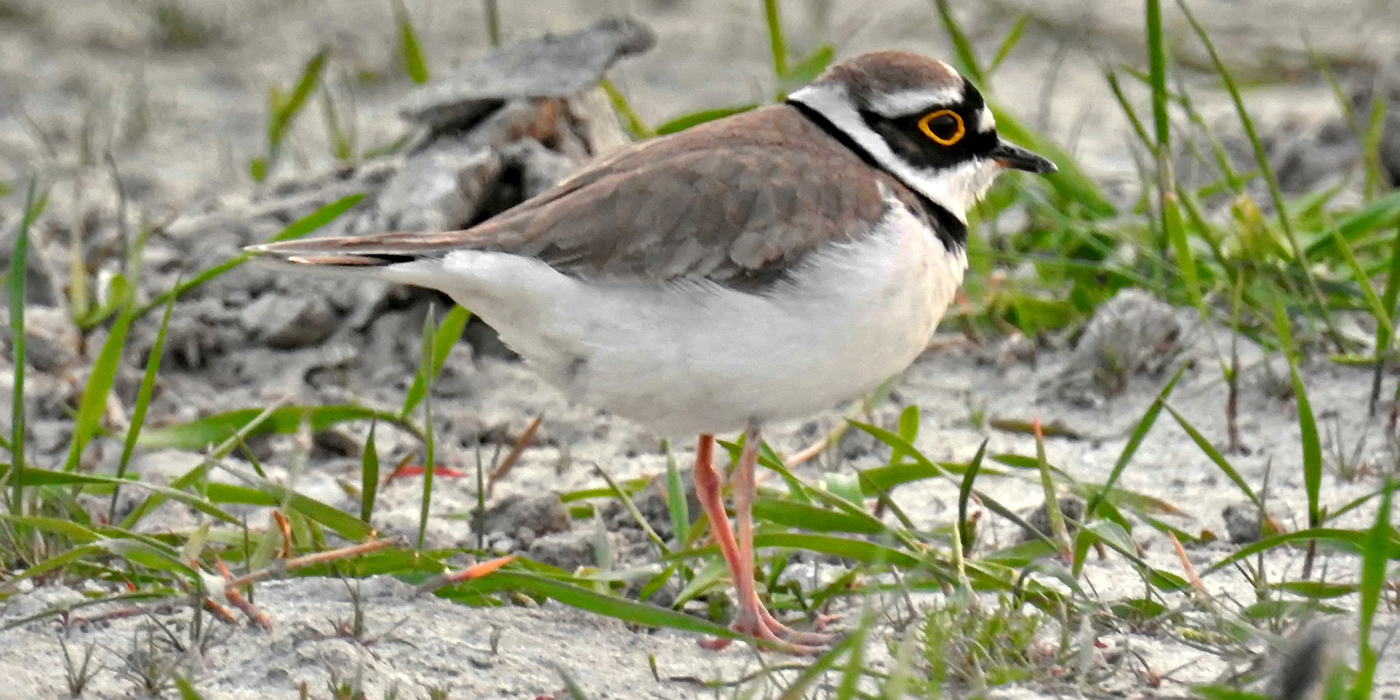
(757, 268)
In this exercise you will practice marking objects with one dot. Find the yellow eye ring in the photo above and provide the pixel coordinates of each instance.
(957, 135)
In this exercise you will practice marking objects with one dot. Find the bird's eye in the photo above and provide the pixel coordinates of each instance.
(943, 126)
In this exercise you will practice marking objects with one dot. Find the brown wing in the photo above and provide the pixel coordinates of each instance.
(670, 208)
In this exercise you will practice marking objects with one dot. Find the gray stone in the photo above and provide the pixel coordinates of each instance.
(289, 322)
(653, 503)
(1134, 333)
(566, 550)
(1241, 523)
(41, 283)
(50, 436)
(165, 466)
(1304, 662)
(1384, 81)
(542, 515)
(541, 167)
(1071, 507)
(438, 189)
(50, 339)
(550, 66)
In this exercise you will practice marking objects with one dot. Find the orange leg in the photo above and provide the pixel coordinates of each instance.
(752, 617)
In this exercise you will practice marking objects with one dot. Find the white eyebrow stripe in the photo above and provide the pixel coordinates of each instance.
(987, 122)
(906, 102)
(949, 189)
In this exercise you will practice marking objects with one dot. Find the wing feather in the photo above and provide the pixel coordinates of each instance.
(670, 208)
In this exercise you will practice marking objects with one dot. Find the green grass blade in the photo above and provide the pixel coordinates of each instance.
(282, 117)
(409, 50)
(296, 229)
(886, 478)
(76, 555)
(1363, 281)
(1374, 562)
(342, 141)
(1116, 86)
(1169, 214)
(1069, 182)
(1270, 177)
(965, 533)
(264, 492)
(1382, 212)
(1013, 37)
(686, 121)
(715, 569)
(898, 443)
(18, 277)
(632, 510)
(860, 550)
(621, 609)
(1052, 501)
(811, 66)
(1176, 236)
(186, 688)
(1312, 448)
(849, 548)
(676, 503)
(813, 518)
(98, 388)
(1343, 540)
(1157, 76)
(143, 403)
(797, 689)
(570, 687)
(1105, 531)
(768, 459)
(143, 553)
(1215, 456)
(493, 21)
(369, 475)
(45, 477)
(283, 420)
(1285, 334)
(631, 120)
(1371, 152)
(429, 468)
(1144, 425)
(443, 339)
(777, 44)
(908, 430)
(1383, 332)
(963, 52)
(200, 471)
(855, 661)
(75, 532)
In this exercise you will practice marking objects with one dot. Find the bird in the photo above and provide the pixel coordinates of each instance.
(758, 268)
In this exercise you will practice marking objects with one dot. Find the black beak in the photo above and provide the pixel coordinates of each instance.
(1009, 155)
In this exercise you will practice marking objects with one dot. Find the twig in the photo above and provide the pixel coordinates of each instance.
(236, 599)
(283, 565)
(475, 571)
(285, 526)
(1190, 571)
(514, 455)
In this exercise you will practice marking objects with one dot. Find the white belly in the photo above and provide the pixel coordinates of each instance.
(695, 357)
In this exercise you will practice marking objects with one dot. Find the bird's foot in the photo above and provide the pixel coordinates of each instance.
(761, 625)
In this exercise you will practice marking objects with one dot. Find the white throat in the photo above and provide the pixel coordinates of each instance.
(956, 189)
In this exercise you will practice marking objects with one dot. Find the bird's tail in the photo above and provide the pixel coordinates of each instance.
(376, 250)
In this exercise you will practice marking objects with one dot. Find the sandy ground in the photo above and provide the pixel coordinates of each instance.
(421, 643)
(81, 79)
